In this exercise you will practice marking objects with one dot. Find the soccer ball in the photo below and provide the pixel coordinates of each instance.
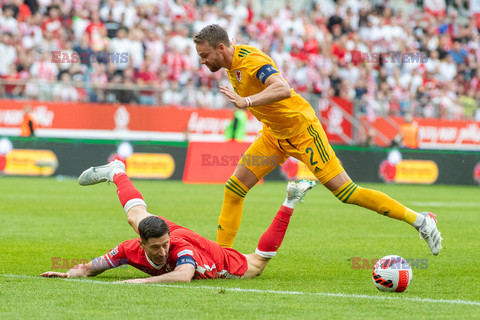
(392, 274)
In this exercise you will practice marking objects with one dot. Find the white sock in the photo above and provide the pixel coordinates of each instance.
(419, 221)
(114, 172)
(132, 203)
(289, 204)
(263, 254)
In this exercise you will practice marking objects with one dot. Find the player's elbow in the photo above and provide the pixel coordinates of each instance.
(185, 278)
(185, 275)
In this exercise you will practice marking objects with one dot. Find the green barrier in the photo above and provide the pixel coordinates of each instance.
(362, 164)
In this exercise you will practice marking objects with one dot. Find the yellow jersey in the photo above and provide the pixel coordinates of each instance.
(284, 119)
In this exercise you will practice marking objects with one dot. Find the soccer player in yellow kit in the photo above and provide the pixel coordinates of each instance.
(290, 128)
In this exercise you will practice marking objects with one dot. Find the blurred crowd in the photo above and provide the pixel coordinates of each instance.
(325, 49)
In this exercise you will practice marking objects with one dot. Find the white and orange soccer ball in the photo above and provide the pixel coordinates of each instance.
(392, 274)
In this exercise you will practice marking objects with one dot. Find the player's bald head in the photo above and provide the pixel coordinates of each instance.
(213, 35)
(152, 227)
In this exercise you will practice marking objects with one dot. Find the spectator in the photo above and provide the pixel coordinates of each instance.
(15, 90)
(44, 72)
(8, 23)
(175, 62)
(458, 54)
(172, 95)
(95, 32)
(205, 98)
(65, 91)
(322, 38)
(80, 22)
(447, 70)
(30, 32)
(7, 53)
(24, 11)
(136, 52)
(98, 80)
(146, 76)
(53, 23)
(122, 45)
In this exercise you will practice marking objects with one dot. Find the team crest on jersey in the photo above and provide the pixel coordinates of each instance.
(238, 74)
(113, 252)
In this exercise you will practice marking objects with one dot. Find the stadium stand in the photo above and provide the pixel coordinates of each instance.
(142, 52)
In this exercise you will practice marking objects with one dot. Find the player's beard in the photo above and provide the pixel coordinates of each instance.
(217, 65)
(214, 68)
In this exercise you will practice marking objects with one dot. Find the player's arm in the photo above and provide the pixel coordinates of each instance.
(276, 89)
(182, 273)
(91, 269)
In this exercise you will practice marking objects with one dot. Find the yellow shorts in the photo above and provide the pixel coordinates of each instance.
(311, 147)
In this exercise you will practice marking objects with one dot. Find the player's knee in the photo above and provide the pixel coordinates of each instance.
(131, 218)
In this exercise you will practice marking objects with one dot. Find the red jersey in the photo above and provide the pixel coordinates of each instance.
(211, 260)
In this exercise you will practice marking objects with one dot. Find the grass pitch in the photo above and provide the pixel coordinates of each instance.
(312, 276)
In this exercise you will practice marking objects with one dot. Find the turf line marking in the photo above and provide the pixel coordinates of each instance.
(446, 204)
(280, 292)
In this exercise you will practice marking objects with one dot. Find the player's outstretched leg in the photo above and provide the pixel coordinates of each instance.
(381, 203)
(273, 237)
(130, 198)
(94, 175)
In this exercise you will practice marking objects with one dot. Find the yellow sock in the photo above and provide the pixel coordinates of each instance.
(374, 200)
(231, 214)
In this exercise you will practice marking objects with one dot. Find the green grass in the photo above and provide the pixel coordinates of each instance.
(41, 218)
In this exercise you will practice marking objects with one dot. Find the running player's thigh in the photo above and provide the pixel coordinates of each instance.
(263, 155)
(315, 151)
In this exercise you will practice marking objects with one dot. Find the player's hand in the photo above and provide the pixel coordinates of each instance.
(238, 102)
(54, 274)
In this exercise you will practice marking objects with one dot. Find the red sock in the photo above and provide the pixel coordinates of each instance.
(273, 237)
(125, 189)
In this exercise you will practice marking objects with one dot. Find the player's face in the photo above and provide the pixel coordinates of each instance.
(157, 249)
(209, 56)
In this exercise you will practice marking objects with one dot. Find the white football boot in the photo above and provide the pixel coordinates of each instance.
(429, 232)
(104, 173)
(297, 190)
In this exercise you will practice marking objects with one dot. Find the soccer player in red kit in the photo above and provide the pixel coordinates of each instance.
(171, 253)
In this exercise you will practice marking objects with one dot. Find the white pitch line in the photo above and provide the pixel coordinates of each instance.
(280, 292)
(447, 204)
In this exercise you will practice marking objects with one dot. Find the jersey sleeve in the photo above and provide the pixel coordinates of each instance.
(260, 67)
(116, 257)
(184, 253)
